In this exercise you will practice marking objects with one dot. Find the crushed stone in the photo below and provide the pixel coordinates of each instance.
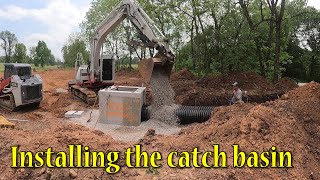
(163, 107)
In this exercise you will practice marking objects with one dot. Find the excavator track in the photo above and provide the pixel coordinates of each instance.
(85, 94)
(7, 102)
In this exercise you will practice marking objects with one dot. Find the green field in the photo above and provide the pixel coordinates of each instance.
(32, 66)
(134, 66)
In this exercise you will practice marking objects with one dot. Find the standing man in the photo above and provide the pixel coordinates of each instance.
(237, 94)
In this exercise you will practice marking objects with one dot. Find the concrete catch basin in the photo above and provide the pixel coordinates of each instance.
(121, 105)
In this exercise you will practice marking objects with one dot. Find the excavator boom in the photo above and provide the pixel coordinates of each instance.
(152, 38)
(101, 71)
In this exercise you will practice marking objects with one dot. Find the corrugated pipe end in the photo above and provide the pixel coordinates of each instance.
(192, 114)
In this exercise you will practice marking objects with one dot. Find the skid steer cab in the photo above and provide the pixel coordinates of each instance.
(19, 87)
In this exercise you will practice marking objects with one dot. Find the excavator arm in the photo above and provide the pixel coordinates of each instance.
(149, 33)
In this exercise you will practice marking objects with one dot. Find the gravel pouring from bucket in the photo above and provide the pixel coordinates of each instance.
(147, 66)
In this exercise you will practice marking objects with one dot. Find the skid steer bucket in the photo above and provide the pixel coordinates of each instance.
(147, 66)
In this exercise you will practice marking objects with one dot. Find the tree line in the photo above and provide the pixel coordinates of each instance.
(73, 46)
(77, 44)
(15, 52)
(274, 38)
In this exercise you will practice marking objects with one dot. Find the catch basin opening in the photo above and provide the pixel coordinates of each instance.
(125, 89)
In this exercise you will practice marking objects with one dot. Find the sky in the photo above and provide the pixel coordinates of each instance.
(49, 20)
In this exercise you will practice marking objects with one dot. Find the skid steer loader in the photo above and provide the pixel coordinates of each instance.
(19, 87)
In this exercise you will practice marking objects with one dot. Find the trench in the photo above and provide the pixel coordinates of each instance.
(223, 100)
(196, 107)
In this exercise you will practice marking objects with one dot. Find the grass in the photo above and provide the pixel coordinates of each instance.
(134, 66)
(32, 66)
(44, 68)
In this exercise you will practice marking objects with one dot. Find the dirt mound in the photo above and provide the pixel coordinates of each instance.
(210, 90)
(183, 74)
(61, 103)
(245, 81)
(33, 116)
(55, 79)
(216, 90)
(127, 71)
(128, 78)
(291, 123)
(305, 92)
(286, 84)
(56, 135)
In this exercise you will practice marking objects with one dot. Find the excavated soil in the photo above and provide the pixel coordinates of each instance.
(217, 90)
(291, 123)
(211, 90)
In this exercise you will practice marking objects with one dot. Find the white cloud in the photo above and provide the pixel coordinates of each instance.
(61, 17)
(314, 3)
(7, 13)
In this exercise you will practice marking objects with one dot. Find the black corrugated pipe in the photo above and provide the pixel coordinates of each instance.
(192, 114)
(145, 113)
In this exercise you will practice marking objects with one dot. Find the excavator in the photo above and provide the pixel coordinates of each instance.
(101, 71)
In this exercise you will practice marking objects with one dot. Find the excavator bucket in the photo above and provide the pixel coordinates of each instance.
(147, 66)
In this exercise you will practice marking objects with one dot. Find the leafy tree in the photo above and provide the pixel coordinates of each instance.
(314, 43)
(98, 11)
(8, 43)
(58, 61)
(303, 44)
(32, 55)
(70, 50)
(42, 54)
(20, 53)
(52, 60)
(219, 36)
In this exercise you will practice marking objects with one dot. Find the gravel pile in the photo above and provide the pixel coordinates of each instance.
(163, 105)
(166, 114)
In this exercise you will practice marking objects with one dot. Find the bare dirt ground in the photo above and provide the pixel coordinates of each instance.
(291, 123)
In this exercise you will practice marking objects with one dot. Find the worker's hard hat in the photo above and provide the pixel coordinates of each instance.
(235, 84)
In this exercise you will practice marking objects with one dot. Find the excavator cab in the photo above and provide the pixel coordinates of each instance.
(107, 64)
(22, 70)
